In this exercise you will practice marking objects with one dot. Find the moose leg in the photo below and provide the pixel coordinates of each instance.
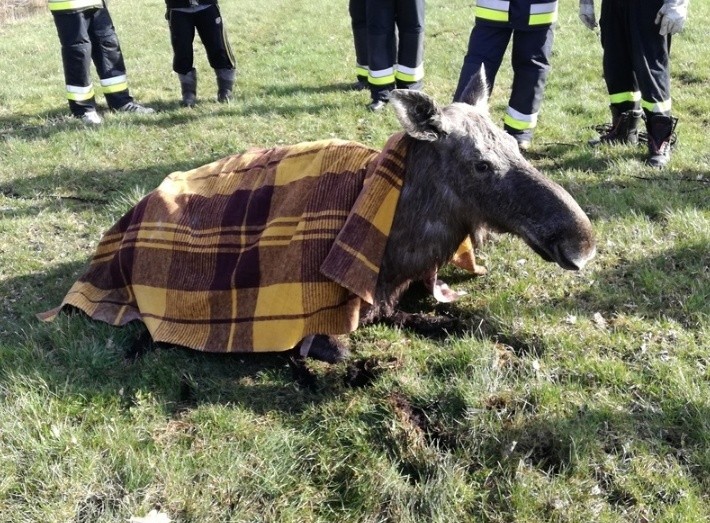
(322, 348)
(465, 258)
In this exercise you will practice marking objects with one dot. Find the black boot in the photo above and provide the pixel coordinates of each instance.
(661, 136)
(624, 128)
(225, 84)
(188, 86)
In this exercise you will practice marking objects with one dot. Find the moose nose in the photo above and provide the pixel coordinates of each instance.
(573, 260)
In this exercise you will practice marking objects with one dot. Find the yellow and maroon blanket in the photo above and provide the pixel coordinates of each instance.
(252, 252)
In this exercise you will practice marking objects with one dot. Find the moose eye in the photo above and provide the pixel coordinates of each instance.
(483, 167)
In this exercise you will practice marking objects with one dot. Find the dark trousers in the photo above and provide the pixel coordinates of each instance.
(358, 20)
(530, 60)
(636, 56)
(395, 37)
(210, 27)
(88, 36)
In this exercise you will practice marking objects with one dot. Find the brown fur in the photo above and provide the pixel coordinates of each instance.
(464, 177)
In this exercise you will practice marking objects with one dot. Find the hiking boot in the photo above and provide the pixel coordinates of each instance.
(133, 107)
(660, 129)
(188, 88)
(524, 144)
(522, 138)
(359, 85)
(622, 130)
(91, 118)
(225, 84)
(376, 105)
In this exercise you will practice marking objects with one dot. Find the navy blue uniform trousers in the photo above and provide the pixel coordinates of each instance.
(395, 35)
(636, 56)
(358, 20)
(85, 36)
(530, 60)
(210, 27)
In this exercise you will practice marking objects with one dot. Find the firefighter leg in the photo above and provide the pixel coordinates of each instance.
(616, 22)
(108, 59)
(182, 36)
(486, 46)
(531, 65)
(72, 29)
(650, 54)
(409, 73)
(358, 21)
(381, 50)
(213, 34)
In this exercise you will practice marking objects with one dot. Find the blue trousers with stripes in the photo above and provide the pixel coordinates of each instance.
(530, 59)
(88, 36)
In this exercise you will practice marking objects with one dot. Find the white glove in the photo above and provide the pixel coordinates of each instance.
(671, 16)
(586, 13)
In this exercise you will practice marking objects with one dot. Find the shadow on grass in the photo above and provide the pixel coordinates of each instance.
(455, 321)
(94, 188)
(44, 125)
(594, 444)
(674, 284)
(90, 358)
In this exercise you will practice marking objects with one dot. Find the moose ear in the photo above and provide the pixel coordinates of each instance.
(419, 115)
(476, 92)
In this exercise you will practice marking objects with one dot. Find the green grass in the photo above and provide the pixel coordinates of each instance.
(574, 397)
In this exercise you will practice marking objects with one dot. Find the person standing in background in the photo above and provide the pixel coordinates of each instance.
(395, 46)
(530, 23)
(86, 32)
(184, 16)
(636, 38)
(358, 19)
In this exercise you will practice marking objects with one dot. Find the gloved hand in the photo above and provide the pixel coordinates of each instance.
(586, 13)
(671, 16)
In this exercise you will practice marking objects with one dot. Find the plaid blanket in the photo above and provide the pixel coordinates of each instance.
(252, 252)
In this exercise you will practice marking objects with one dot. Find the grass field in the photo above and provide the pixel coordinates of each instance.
(572, 397)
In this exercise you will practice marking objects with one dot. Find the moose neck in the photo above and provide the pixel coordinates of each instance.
(429, 223)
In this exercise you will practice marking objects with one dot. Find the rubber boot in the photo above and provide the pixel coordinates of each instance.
(661, 137)
(188, 86)
(225, 84)
(624, 128)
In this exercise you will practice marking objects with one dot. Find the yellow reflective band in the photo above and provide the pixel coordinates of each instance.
(80, 97)
(491, 14)
(382, 80)
(381, 76)
(409, 74)
(657, 107)
(115, 88)
(519, 125)
(629, 96)
(543, 18)
(360, 70)
(66, 5)
(399, 75)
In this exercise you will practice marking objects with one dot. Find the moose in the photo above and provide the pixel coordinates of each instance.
(204, 263)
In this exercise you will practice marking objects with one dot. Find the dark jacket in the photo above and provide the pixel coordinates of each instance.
(172, 4)
(517, 14)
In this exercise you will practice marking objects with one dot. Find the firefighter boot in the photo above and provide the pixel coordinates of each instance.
(225, 84)
(624, 128)
(661, 136)
(188, 86)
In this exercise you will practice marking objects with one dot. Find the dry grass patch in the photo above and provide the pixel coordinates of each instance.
(16, 9)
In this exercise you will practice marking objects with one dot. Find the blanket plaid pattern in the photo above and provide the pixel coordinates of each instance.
(250, 253)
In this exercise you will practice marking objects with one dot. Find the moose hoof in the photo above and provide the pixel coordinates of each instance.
(479, 270)
(323, 348)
